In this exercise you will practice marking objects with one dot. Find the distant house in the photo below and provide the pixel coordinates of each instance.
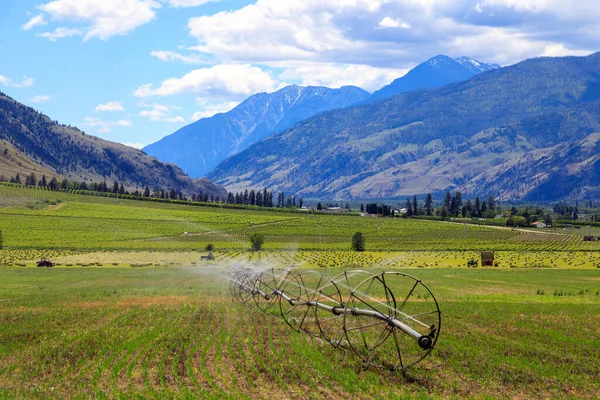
(403, 211)
(539, 224)
(336, 210)
(304, 208)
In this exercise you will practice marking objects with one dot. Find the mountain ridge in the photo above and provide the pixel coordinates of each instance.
(198, 147)
(72, 154)
(428, 140)
(437, 71)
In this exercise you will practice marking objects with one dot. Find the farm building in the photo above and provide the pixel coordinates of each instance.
(539, 224)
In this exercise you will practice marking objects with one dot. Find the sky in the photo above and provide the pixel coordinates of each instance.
(134, 71)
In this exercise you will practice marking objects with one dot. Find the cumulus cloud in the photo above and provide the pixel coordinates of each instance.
(104, 18)
(188, 3)
(41, 99)
(388, 22)
(25, 82)
(35, 21)
(166, 55)
(220, 81)
(358, 31)
(210, 108)
(337, 75)
(161, 113)
(104, 126)
(60, 33)
(110, 106)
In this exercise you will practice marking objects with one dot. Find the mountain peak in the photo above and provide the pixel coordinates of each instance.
(438, 71)
(199, 147)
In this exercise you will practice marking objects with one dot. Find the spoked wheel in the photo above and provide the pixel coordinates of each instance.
(265, 286)
(246, 288)
(392, 320)
(310, 298)
(345, 282)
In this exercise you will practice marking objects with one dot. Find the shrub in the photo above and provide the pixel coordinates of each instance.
(358, 242)
(256, 241)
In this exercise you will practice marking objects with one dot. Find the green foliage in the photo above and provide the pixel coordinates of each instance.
(358, 242)
(256, 241)
(517, 221)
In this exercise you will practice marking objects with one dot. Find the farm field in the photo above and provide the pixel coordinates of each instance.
(37, 219)
(175, 332)
(131, 310)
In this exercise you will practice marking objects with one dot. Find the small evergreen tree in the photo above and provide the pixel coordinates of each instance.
(429, 204)
(358, 242)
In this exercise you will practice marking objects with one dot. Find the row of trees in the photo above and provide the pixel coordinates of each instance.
(452, 206)
(260, 198)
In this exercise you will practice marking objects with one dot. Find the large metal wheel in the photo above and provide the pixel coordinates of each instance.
(311, 296)
(392, 320)
(265, 287)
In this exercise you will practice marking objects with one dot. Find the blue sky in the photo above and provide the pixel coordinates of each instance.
(134, 71)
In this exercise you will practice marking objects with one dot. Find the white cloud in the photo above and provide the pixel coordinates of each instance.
(351, 31)
(161, 113)
(222, 81)
(35, 21)
(559, 50)
(110, 106)
(104, 18)
(26, 82)
(40, 99)
(209, 109)
(165, 55)
(388, 22)
(104, 126)
(337, 75)
(60, 33)
(188, 3)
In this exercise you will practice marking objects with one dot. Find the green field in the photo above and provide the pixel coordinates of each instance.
(175, 332)
(93, 326)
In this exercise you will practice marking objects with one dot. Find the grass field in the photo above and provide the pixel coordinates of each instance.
(93, 326)
(175, 332)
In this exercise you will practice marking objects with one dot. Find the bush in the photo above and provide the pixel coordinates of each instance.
(358, 242)
(256, 241)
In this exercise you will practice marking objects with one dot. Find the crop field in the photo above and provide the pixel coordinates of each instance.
(131, 310)
(34, 219)
(175, 332)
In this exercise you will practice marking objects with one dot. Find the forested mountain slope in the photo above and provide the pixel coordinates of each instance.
(75, 155)
(465, 136)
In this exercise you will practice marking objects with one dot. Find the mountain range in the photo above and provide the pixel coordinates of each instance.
(527, 131)
(31, 142)
(435, 72)
(199, 147)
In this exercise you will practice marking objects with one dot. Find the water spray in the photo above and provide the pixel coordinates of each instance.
(389, 319)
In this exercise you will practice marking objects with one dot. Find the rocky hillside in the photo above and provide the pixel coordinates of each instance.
(68, 152)
(199, 147)
(519, 132)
